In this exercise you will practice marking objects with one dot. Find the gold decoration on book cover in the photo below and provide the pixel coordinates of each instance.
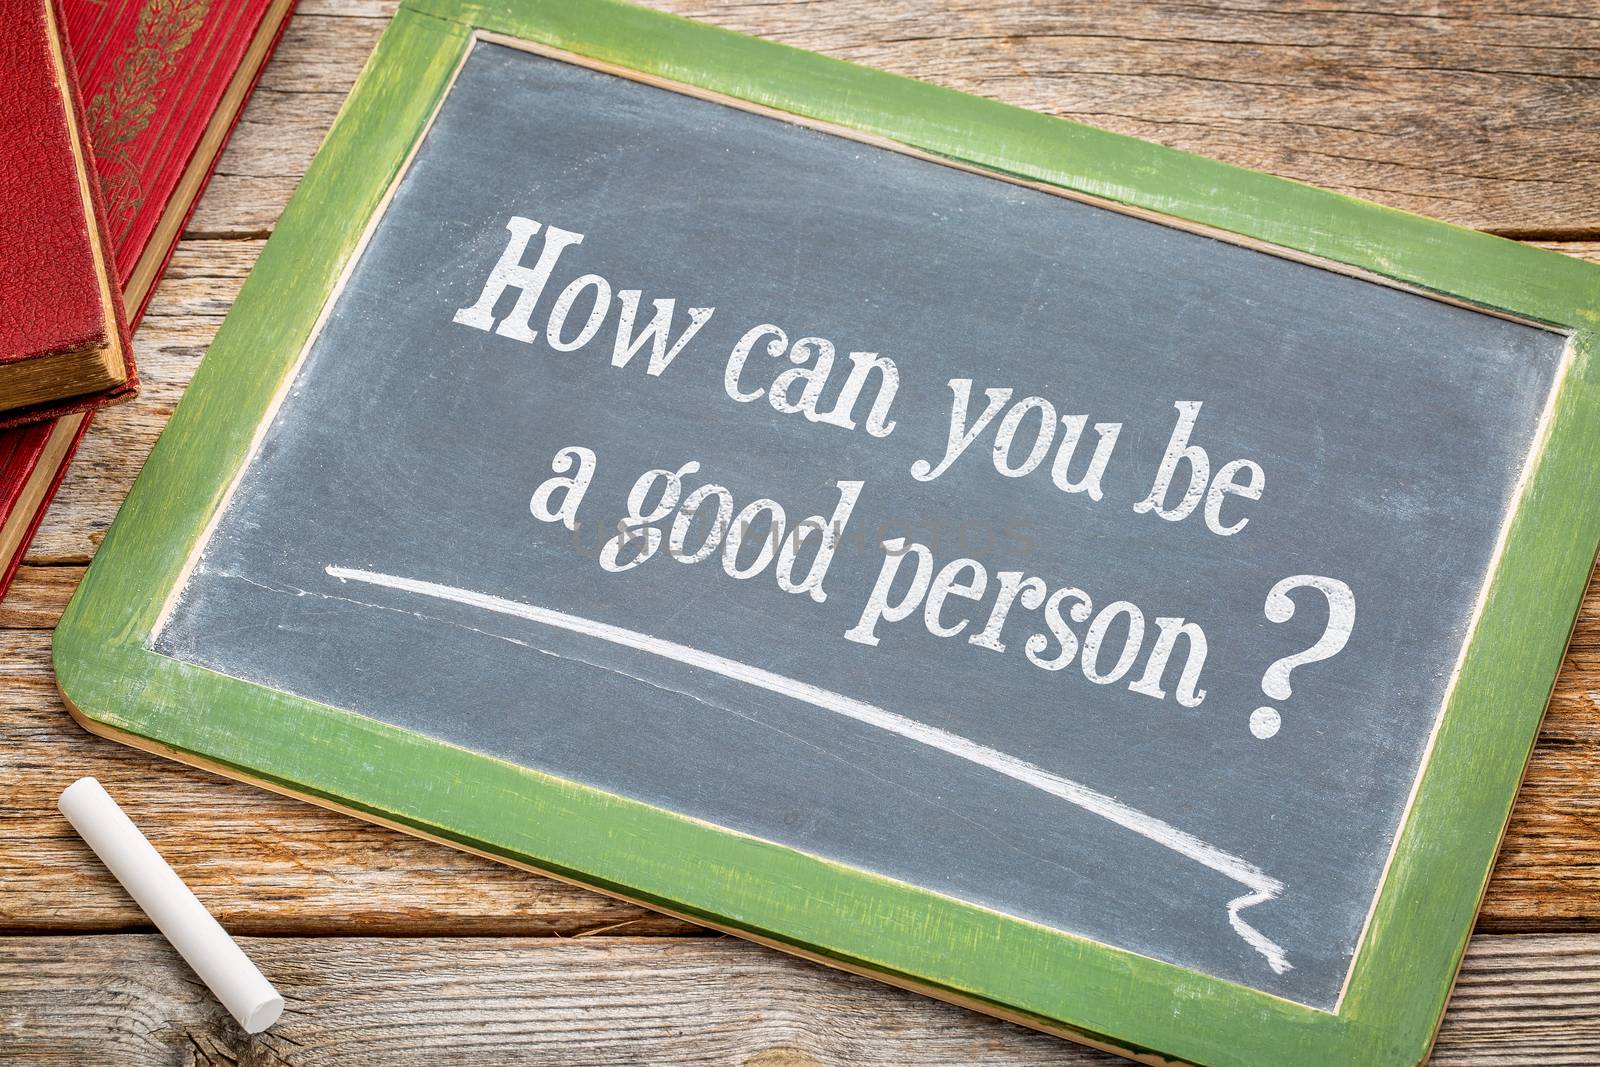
(122, 110)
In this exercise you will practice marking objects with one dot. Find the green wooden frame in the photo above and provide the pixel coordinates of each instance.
(958, 951)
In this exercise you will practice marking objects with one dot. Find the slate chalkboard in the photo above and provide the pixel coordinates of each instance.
(1081, 725)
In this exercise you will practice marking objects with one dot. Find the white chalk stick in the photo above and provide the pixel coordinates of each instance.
(156, 887)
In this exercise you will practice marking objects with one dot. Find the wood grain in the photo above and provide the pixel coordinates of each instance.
(262, 863)
(1465, 112)
(611, 1001)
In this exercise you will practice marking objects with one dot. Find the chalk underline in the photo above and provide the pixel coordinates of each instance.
(1262, 886)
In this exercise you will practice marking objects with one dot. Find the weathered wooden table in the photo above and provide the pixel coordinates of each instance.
(394, 951)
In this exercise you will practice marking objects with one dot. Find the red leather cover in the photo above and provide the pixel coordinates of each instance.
(21, 450)
(153, 72)
(51, 294)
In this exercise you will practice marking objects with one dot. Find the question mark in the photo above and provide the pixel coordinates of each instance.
(1264, 721)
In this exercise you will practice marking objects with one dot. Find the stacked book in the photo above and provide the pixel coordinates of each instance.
(115, 114)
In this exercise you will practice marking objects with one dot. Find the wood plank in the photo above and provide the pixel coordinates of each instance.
(268, 864)
(1473, 114)
(1551, 851)
(389, 1002)
(1589, 250)
(261, 862)
(37, 596)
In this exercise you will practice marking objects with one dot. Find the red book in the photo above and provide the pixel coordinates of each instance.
(63, 338)
(162, 84)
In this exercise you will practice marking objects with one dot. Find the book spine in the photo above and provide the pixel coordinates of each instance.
(16, 471)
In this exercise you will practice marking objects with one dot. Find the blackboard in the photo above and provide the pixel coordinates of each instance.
(381, 555)
(1185, 723)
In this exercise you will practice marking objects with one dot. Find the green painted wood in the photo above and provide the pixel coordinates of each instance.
(1424, 912)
